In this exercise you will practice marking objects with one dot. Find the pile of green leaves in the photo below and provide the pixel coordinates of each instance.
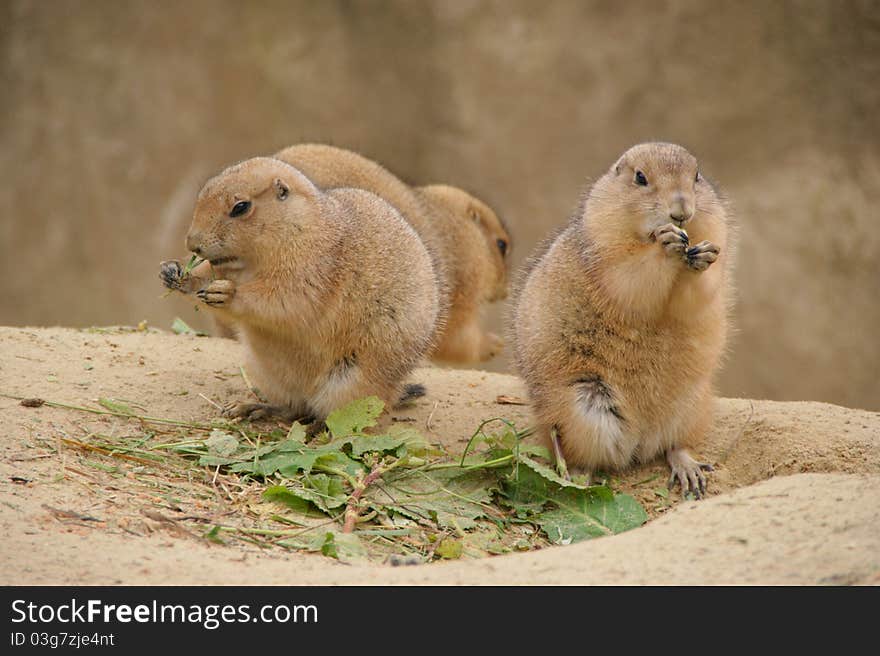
(358, 495)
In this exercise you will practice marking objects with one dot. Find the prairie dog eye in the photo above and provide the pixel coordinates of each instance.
(640, 179)
(502, 246)
(241, 207)
(698, 177)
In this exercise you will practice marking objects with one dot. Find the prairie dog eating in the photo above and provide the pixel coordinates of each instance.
(621, 320)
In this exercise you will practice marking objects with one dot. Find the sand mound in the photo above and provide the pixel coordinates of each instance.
(816, 520)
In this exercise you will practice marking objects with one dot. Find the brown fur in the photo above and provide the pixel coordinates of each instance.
(616, 335)
(478, 271)
(460, 232)
(317, 292)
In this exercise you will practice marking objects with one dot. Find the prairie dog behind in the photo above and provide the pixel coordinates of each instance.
(471, 265)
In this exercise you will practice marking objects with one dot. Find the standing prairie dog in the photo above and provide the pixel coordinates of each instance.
(332, 293)
(621, 320)
(467, 242)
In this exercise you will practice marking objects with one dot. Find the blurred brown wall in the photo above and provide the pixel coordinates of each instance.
(115, 112)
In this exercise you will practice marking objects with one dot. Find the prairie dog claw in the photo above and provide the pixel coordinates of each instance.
(687, 472)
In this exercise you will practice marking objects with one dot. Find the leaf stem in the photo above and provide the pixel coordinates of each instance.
(351, 508)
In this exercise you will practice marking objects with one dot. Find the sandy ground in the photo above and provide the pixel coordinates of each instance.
(795, 498)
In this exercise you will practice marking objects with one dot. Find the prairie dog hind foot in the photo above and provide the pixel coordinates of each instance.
(411, 392)
(254, 411)
(688, 472)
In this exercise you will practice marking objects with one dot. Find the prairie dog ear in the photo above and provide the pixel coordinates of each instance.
(474, 214)
(618, 165)
(282, 191)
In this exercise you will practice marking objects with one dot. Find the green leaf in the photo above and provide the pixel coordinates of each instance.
(328, 546)
(380, 443)
(528, 490)
(214, 535)
(392, 441)
(449, 497)
(289, 458)
(180, 327)
(414, 442)
(293, 501)
(582, 514)
(339, 461)
(297, 433)
(312, 540)
(354, 417)
(548, 473)
(214, 461)
(326, 492)
(306, 458)
(194, 261)
(270, 464)
(221, 443)
(346, 547)
(449, 548)
(287, 446)
(536, 450)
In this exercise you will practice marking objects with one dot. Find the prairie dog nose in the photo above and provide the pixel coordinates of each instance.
(680, 209)
(194, 242)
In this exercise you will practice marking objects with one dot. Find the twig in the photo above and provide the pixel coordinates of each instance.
(126, 415)
(504, 399)
(276, 533)
(250, 385)
(561, 466)
(69, 514)
(112, 454)
(351, 509)
(479, 431)
(214, 403)
(431, 416)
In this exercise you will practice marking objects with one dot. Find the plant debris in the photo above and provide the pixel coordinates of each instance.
(504, 399)
(180, 327)
(382, 496)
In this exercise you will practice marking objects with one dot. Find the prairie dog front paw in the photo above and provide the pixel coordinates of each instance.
(218, 293)
(699, 257)
(171, 274)
(673, 239)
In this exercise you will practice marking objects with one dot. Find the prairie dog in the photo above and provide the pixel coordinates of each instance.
(478, 270)
(471, 265)
(332, 293)
(621, 320)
